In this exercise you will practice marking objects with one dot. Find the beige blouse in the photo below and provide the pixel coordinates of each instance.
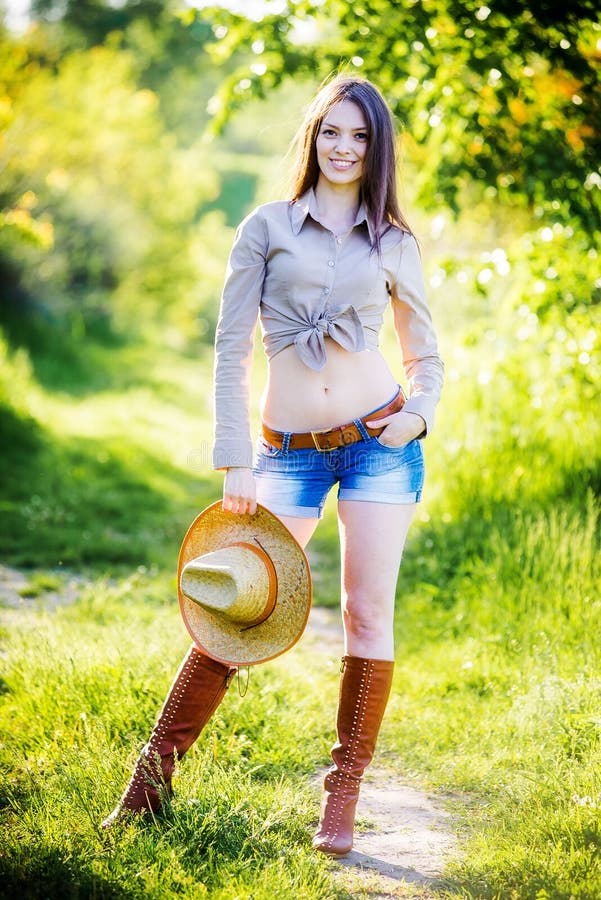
(306, 283)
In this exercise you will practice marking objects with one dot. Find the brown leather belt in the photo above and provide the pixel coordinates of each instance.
(333, 438)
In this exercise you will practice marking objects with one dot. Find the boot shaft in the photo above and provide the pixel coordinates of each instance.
(364, 690)
(195, 693)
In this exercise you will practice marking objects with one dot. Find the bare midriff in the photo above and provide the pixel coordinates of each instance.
(349, 386)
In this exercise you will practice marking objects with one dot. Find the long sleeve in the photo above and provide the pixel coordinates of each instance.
(413, 325)
(234, 344)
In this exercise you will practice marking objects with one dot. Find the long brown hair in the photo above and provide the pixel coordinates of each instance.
(378, 182)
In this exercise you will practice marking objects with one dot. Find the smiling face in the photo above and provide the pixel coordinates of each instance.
(341, 144)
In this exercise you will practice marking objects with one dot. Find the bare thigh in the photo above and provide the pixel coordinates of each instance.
(301, 528)
(372, 539)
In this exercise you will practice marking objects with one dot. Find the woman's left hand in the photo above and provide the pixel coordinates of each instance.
(401, 427)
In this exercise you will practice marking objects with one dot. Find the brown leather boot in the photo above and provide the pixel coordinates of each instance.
(364, 689)
(196, 692)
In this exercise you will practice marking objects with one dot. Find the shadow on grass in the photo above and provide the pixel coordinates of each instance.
(60, 356)
(41, 872)
(85, 501)
(79, 356)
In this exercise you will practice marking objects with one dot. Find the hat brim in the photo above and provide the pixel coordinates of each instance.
(227, 641)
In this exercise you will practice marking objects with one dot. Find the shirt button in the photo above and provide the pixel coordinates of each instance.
(338, 240)
(331, 263)
(326, 290)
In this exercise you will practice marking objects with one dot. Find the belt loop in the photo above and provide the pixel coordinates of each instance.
(362, 429)
(286, 441)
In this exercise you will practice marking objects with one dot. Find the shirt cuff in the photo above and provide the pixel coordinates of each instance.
(424, 407)
(226, 455)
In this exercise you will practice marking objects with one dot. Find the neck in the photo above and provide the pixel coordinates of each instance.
(337, 203)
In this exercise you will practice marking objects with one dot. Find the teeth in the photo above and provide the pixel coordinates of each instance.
(341, 163)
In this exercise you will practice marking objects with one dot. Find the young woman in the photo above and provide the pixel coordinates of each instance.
(319, 270)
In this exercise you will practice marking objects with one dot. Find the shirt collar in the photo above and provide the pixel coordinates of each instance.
(307, 206)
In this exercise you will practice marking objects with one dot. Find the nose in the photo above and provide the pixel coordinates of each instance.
(342, 144)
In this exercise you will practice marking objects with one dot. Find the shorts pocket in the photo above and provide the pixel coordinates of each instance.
(401, 449)
(264, 448)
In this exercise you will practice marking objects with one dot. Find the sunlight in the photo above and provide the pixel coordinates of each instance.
(252, 9)
(16, 16)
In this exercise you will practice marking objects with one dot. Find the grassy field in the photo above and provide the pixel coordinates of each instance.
(497, 693)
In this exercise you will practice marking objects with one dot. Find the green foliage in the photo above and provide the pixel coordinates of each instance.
(531, 329)
(507, 95)
(89, 22)
(103, 225)
(167, 43)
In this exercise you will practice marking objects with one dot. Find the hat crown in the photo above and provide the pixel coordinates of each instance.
(209, 574)
(236, 582)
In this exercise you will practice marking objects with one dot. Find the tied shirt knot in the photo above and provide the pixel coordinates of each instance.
(341, 324)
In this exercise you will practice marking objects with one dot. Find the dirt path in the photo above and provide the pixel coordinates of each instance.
(19, 591)
(403, 835)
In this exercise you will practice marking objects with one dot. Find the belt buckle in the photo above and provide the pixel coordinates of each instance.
(346, 437)
(318, 446)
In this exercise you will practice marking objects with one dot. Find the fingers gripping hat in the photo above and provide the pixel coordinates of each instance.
(244, 585)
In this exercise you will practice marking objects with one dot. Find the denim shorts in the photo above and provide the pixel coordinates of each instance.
(297, 482)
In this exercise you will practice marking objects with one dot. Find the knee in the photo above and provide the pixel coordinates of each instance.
(365, 617)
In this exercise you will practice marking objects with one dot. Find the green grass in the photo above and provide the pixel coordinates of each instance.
(497, 692)
(81, 687)
(110, 468)
(499, 673)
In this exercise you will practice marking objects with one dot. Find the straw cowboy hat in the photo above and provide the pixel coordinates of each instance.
(244, 585)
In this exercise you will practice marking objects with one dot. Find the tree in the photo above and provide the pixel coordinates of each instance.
(88, 22)
(506, 95)
(101, 211)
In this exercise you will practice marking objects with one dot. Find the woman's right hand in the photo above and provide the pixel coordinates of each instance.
(240, 491)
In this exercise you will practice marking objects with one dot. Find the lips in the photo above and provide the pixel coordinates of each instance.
(342, 164)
